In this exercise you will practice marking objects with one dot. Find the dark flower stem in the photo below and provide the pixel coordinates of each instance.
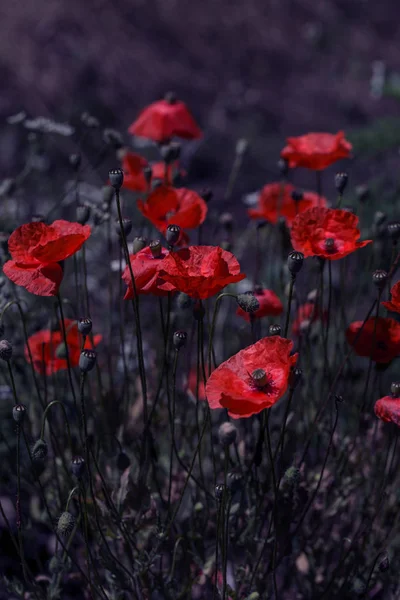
(275, 505)
(289, 305)
(18, 508)
(10, 371)
(48, 407)
(213, 323)
(66, 347)
(172, 417)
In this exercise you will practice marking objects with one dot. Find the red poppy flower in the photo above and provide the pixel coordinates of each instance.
(165, 119)
(158, 171)
(326, 232)
(384, 344)
(276, 200)
(253, 379)
(270, 305)
(388, 409)
(394, 303)
(146, 269)
(37, 249)
(316, 150)
(132, 166)
(307, 314)
(201, 271)
(48, 350)
(169, 206)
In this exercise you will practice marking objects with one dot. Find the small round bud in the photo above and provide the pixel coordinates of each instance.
(283, 167)
(38, 219)
(362, 193)
(78, 466)
(295, 262)
(184, 301)
(341, 180)
(179, 339)
(39, 449)
(85, 326)
(148, 173)
(82, 214)
(123, 461)
(138, 244)
(116, 177)
(19, 413)
(379, 279)
(259, 378)
(329, 245)
(395, 389)
(170, 97)
(393, 230)
(295, 377)
(126, 226)
(5, 350)
(173, 234)
(66, 524)
(297, 195)
(248, 302)
(219, 491)
(156, 248)
(227, 434)
(198, 311)
(206, 194)
(87, 360)
(384, 563)
(275, 329)
(75, 161)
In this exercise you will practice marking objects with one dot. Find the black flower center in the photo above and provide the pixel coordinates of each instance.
(330, 245)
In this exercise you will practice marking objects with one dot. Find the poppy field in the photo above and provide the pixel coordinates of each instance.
(199, 399)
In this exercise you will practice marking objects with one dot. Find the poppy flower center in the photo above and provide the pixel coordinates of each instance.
(259, 378)
(330, 245)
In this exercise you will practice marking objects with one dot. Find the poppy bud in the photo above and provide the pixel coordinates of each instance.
(126, 226)
(123, 461)
(294, 377)
(379, 279)
(5, 350)
(77, 466)
(170, 152)
(227, 434)
(148, 173)
(179, 339)
(329, 245)
(85, 326)
(379, 217)
(173, 234)
(116, 177)
(170, 97)
(395, 389)
(283, 167)
(248, 302)
(156, 248)
(393, 229)
(226, 221)
(75, 161)
(362, 192)
(66, 524)
(198, 311)
(297, 195)
(219, 491)
(39, 450)
(19, 413)
(206, 194)
(275, 329)
(87, 360)
(384, 564)
(341, 180)
(82, 214)
(259, 378)
(138, 244)
(184, 301)
(233, 481)
(38, 219)
(295, 262)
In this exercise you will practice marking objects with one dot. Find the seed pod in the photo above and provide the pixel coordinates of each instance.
(87, 360)
(85, 326)
(295, 377)
(295, 262)
(248, 302)
(138, 244)
(379, 279)
(19, 413)
(173, 234)
(126, 226)
(179, 339)
(39, 450)
(341, 180)
(116, 177)
(395, 389)
(275, 329)
(329, 245)
(393, 230)
(227, 434)
(184, 301)
(156, 248)
(75, 161)
(82, 214)
(78, 466)
(219, 491)
(259, 378)
(5, 350)
(66, 524)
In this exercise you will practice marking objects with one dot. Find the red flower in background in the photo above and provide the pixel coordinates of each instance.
(316, 150)
(37, 249)
(388, 409)
(270, 305)
(253, 379)
(326, 232)
(201, 271)
(169, 206)
(165, 119)
(132, 166)
(48, 350)
(307, 314)
(383, 345)
(146, 269)
(276, 200)
(394, 303)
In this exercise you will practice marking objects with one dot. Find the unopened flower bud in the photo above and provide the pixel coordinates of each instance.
(248, 302)
(116, 177)
(395, 389)
(170, 152)
(87, 360)
(227, 434)
(179, 339)
(173, 234)
(156, 248)
(379, 279)
(78, 466)
(275, 329)
(5, 350)
(295, 262)
(66, 524)
(39, 449)
(219, 491)
(184, 301)
(82, 214)
(341, 180)
(126, 226)
(138, 244)
(85, 326)
(19, 413)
